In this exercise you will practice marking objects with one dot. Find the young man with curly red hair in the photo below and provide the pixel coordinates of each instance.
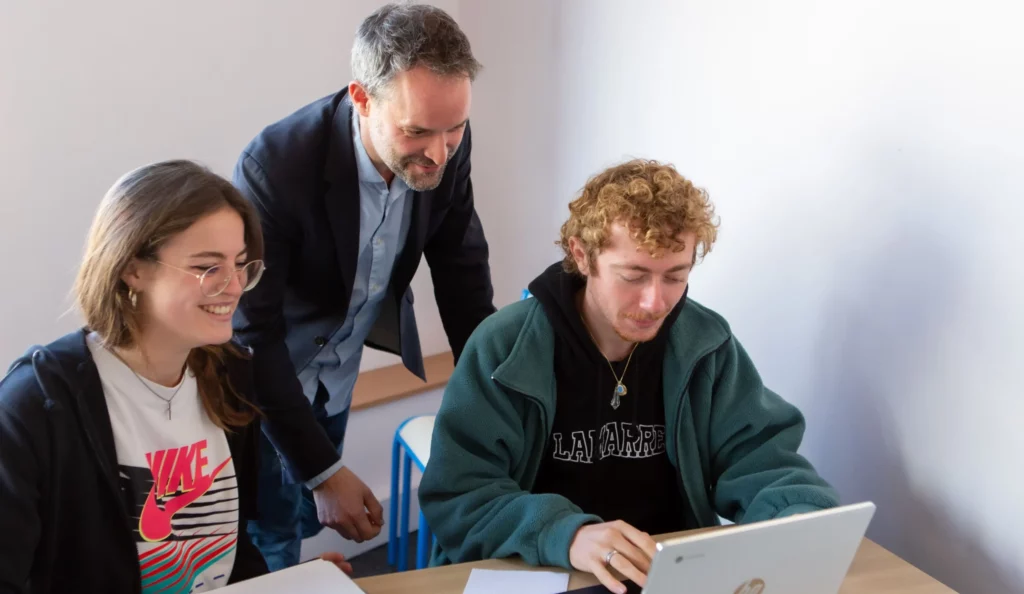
(610, 407)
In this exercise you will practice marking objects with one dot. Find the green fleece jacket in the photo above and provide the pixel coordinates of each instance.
(733, 441)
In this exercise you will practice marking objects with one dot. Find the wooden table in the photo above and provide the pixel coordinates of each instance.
(874, 570)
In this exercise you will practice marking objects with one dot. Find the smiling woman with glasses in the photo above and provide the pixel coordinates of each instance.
(128, 449)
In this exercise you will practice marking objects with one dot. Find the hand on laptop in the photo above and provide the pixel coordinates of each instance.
(345, 503)
(634, 550)
(339, 560)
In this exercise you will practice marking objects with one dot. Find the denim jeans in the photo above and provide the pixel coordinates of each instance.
(287, 510)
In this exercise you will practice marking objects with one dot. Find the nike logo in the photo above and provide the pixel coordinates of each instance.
(177, 470)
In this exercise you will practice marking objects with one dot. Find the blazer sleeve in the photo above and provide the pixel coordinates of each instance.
(457, 255)
(260, 325)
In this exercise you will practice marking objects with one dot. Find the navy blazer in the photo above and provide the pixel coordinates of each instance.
(300, 173)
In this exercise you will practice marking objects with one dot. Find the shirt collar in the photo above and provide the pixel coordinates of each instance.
(364, 166)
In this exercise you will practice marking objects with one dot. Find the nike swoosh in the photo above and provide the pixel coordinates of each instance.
(155, 523)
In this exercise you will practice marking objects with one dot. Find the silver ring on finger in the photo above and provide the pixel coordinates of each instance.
(608, 557)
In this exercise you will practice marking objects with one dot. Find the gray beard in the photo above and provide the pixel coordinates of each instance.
(420, 186)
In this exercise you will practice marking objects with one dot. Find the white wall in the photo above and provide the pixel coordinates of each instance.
(514, 155)
(90, 91)
(866, 160)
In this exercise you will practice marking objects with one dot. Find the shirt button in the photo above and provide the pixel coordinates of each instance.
(378, 242)
(375, 287)
(320, 341)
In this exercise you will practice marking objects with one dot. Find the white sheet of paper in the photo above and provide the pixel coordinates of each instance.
(492, 581)
(315, 577)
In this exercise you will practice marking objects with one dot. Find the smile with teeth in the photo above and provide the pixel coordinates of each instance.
(220, 310)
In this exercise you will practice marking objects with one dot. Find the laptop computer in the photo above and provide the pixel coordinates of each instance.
(802, 554)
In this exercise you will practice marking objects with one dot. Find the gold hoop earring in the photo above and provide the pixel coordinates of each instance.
(133, 297)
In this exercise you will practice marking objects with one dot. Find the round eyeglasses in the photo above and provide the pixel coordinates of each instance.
(215, 279)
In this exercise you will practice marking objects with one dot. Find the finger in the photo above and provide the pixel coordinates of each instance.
(640, 539)
(373, 506)
(346, 530)
(606, 579)
(374, 528)
(623, 565)
(631, 552)
(364, 527)
(338, 560)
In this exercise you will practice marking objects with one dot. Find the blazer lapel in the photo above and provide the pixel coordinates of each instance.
(342, 194)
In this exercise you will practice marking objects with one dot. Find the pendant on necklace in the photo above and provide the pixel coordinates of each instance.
(168, 410)
(620, 391)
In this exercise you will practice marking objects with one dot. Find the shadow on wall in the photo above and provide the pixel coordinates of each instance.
(878, 327)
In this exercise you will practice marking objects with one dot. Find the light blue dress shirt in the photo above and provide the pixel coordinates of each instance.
(384, 218)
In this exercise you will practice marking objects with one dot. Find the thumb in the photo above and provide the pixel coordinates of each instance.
(374, 507)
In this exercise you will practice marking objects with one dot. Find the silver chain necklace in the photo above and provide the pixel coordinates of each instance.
(620, 387)
(167, 401)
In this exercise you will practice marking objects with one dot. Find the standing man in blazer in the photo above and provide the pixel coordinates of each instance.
(352, 189)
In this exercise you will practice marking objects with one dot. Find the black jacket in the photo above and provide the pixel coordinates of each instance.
(300, 173)
(63, 524)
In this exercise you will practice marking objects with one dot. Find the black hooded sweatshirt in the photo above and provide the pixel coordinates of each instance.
(610, 462)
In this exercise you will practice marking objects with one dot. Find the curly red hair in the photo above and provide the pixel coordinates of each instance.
(651, 199)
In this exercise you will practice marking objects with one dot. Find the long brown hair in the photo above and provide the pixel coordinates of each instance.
(139, 214)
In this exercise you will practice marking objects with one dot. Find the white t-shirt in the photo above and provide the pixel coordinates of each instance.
(177, 479)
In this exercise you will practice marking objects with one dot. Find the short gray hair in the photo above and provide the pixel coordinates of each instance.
(398, 37)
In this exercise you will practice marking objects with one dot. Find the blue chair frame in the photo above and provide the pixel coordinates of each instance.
(398, 536)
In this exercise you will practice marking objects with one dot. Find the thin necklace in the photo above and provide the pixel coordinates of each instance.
(620, 388)
(167, 401)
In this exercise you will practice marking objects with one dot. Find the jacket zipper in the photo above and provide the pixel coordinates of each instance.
(536, 402)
